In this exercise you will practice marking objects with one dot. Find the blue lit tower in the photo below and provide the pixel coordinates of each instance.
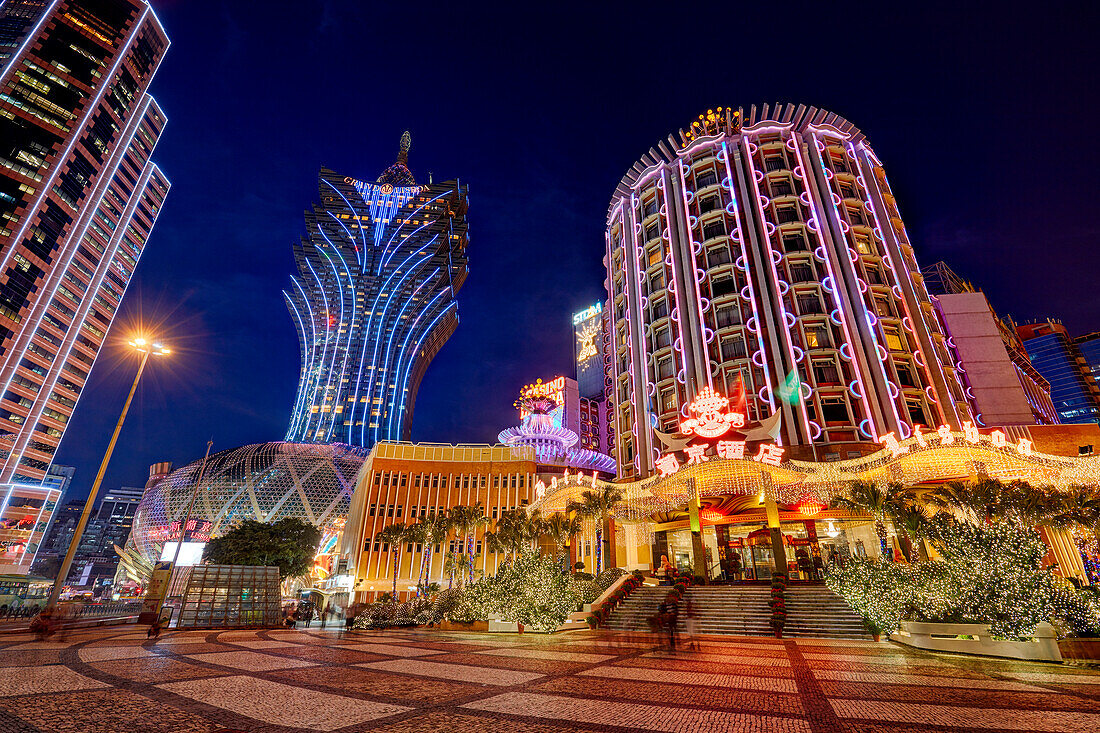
(373, 301)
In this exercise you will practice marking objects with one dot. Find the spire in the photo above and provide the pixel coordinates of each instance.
(406, 143)
(398, 174)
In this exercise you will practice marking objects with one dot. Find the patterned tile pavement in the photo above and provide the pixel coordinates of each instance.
(114, 681)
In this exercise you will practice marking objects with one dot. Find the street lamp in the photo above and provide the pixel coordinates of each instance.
(147, 348)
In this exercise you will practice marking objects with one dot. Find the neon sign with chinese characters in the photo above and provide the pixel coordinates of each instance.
(946, 436)
(713, 419)
(590, 312)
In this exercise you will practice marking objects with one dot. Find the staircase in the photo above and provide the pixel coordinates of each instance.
(634, 613)
(731, 609)
(743, 610)
(814, 610)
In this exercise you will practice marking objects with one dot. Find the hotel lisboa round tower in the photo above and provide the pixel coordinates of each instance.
(761, 249)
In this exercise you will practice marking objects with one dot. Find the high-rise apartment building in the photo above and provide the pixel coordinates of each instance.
(373, 301)
(1073, 388)
(764, 248)
(79, 196)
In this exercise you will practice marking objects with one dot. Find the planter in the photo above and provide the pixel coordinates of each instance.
(459, 626)
(976, 639)
(1080, 649)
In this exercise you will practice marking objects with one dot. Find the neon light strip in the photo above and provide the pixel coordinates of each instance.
(429, 280)
(694, 278)
(748, 278)
(359, 223)
(309, 349)
(387, 253)
(402, 396)
(368, 334)
(348, 328)
(786, 342)
(319, 391)
(819, 215)
(304, 377)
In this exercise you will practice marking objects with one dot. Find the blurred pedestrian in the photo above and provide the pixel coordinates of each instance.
(691, 625)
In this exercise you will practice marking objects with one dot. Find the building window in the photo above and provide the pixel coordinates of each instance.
(717, 256)
(654, 256)
(708, 203)
(662, 338)
(727, 315)
(668, 400)
(722, 285)
(905, 374)
(817, 336)
(659, 309)
(786, 214)
(794, 242)
(825, 371)
(893, 339)
(705, 178)
(863, 243)
(916, 412)
(801, 272)
(714, 229)
(733, 347)
(808, 303)
(664, 368)
(775, 162)
(835, 410)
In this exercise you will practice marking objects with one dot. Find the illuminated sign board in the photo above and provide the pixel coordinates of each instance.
(713, 419)
(946, 436)
(590, 312)
(586, 340)
(554, 389)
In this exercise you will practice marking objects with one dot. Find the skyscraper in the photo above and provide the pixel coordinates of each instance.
(79, 196)
(1073, 387)
(373, 301)
(764, 248)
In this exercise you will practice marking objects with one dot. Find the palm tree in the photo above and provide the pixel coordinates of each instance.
(1081, 504)
(465, 520)
(912, 523)
(394, 535)
(435, 528)
(561, 528)
(870, 498)
(599, 504)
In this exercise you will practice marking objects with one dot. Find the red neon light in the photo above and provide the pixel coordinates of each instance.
(711, 418)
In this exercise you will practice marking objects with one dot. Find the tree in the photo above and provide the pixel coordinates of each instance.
(429, 531)
(599, 504)
(561, 528)
(289, 543)
(880, 502)
(465, 520)
(393, 535)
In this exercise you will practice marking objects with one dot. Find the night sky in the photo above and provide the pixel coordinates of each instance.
(985, 123)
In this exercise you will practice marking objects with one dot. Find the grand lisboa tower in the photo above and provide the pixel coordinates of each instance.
(373, 302)
(762, 249)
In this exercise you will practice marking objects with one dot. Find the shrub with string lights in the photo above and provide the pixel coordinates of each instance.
(532, 591)
(989, 573)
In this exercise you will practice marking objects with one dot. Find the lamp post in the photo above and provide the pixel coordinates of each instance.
(146, 348)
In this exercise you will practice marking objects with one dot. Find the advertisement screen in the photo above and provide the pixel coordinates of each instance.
(190, 554)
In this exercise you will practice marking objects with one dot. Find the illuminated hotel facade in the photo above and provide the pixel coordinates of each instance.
(79, 195)
(401, 482)
(373, 301)
(764, 248)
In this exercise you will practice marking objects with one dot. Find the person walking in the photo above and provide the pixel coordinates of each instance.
(691, 625)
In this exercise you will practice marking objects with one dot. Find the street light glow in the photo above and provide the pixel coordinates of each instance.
(145, 346)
